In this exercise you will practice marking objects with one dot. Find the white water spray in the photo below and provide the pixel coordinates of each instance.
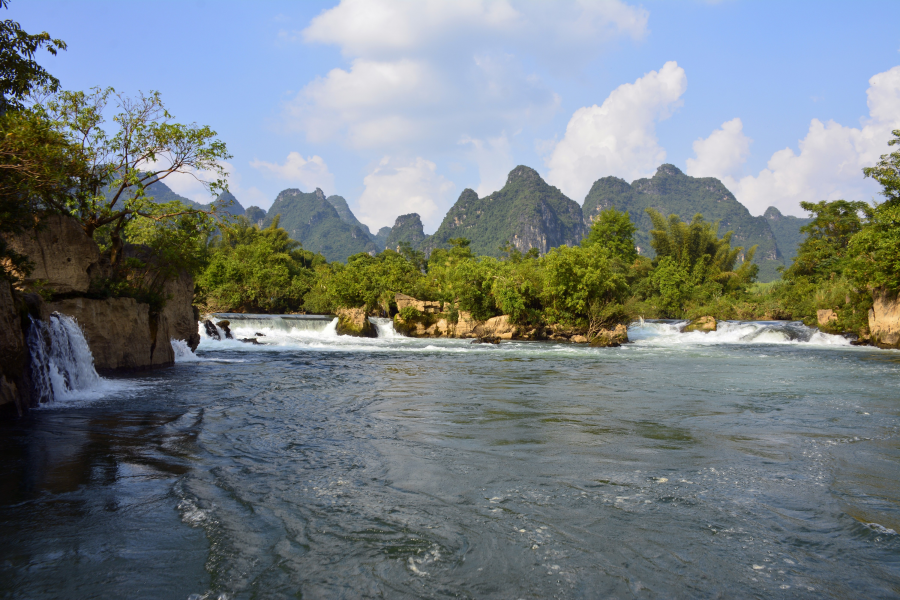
(62, 366)
(384, 327)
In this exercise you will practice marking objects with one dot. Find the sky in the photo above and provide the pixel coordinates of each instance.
(399, 105)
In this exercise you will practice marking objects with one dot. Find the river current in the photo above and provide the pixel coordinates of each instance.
(758, 461)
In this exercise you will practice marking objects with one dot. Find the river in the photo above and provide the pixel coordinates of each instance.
(758, 461)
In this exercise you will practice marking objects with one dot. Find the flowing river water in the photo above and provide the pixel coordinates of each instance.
(758, 461)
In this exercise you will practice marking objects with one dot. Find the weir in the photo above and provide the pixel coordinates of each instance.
(311, 323)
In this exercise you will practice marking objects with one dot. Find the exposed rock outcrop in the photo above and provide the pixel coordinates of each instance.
(423, 306)
(120, 333)
(179, 313)
(355, 322)
(825, 316)
(64, 258)
(704, 324)
(884, 320)
(610, 338)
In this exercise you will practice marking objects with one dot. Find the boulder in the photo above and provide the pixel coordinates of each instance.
(498, 326)
(610, 338)
(884, 320)
(64, 257)
(466, 326)
(355, 322)
(704, 324)
(118, 331)
(211, 331)
(578, 339)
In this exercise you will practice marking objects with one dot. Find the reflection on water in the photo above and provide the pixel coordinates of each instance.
(317, 466)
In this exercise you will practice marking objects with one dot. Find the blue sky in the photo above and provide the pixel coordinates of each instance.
(400, 105)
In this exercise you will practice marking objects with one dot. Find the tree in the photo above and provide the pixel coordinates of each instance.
(887, 172)
(614, 230)
(823, 253)
(20, 74)
(111, 174)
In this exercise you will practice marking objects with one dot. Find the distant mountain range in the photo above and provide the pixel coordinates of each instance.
(527, 213)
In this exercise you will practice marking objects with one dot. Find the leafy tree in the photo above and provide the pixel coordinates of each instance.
(19, 72)
(613, 230)
(258, 270)
(579, 279)
(887, 172)
(146, 147)
(823, 254)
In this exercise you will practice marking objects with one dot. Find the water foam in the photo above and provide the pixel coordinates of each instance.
(62, 365)
(183, 352)
(671, 333)
(385, 328)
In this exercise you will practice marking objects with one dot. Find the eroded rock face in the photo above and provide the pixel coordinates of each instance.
(610, 338)
(355, 322)
(118, 331)
(13, 353)
(701, 324)
(178, 311)
(884, 321)
(423, 306)
(63, 256)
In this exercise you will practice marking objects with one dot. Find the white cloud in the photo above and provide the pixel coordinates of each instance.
(618, 137)
(397, 187)
(421, 74)
(494, 159)
(722, 153)
(306, 173)
(829, 164)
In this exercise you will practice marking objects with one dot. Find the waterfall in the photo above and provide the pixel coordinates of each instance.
(183, 352)
(62, 365)
(384, 327)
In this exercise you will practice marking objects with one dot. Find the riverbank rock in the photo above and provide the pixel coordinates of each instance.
(65, 258)
(425, 307)
(120, 333)
(884, 320)
(499, 327)
(179, 310)
(610, 338)
(355, 322)
(704, 324)
(210, 328)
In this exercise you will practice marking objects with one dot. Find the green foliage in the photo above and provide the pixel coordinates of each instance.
(823, 254)
(875, 250)
(887, 172)
(579, 278)
(365, 281)
(19, 72)
(258, 270)
(613, 230)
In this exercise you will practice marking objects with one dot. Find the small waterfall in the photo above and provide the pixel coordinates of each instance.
(384, 327)
(62, 365)
(183, 352)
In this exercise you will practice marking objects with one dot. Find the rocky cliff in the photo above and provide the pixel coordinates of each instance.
(122, 333)
(527, 213)
(672, 192)
(314, 222)
(884, 320)
(407, 228)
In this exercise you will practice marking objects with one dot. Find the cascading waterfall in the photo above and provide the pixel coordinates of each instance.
(62, 366)
(671, 333)
(384, 327)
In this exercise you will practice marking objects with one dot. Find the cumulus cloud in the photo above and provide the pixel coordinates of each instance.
(494, 159)
(721, 154)
(306, 173)
(422, 73)
(618, 137)
(829, 163)
(397, 187)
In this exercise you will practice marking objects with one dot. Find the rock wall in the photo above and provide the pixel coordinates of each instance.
(13, 395)
(121, 332)
(355, 322)
(884, 320)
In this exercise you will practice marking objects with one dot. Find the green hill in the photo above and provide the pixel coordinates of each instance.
(787, 232)
(527, 212)
(407, 228)
(672, 192)
(311, 220)
(381, 237)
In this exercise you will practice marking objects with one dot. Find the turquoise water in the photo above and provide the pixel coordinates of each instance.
(757, 461)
